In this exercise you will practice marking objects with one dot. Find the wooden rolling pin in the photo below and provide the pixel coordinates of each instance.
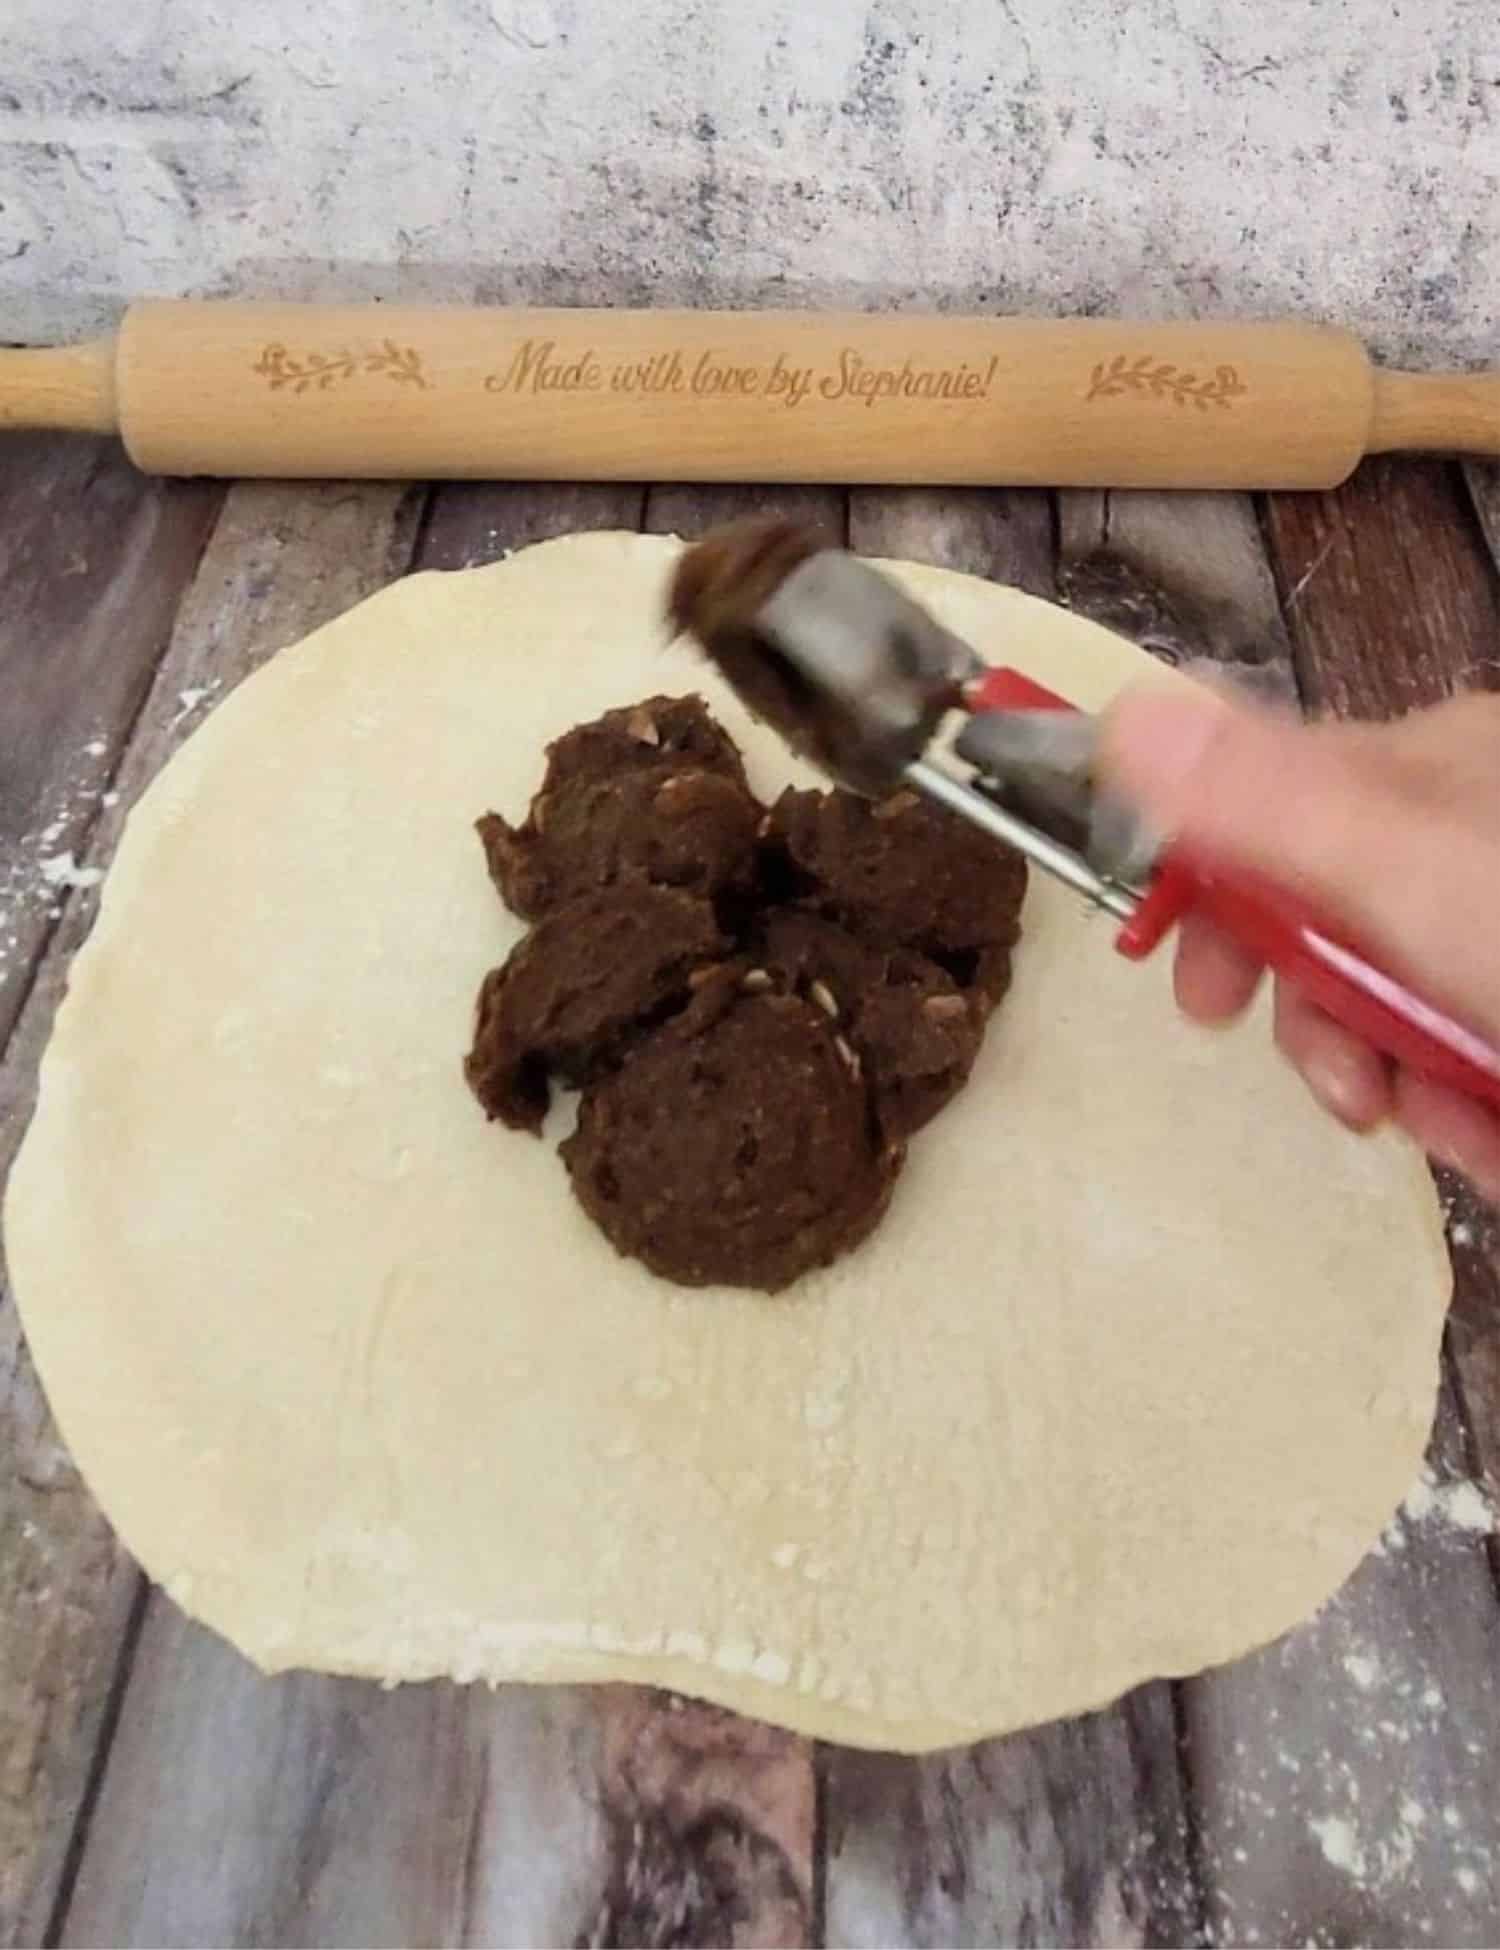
(201, 388)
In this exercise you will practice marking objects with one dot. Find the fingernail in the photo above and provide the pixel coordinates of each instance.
(1156, 744)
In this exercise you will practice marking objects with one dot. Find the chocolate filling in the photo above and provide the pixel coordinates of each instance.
(759, 1009)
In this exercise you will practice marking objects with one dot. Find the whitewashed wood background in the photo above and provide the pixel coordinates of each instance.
(1338, 159)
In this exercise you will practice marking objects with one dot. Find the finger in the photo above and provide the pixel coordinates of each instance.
(1214, 980)
(1349, 1079)
(1325, 810)
(1452, 1128)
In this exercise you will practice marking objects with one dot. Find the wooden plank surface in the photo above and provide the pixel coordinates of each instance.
(470, 523)
(1185, 576)
(1392, 601)
(66, 1591)
(1072, 1833)
(237, 1809)
(978, 531)
(1351, 1766)
(682, 508)
(305, 1810)
(1275, 1755)
(93, 559)
(1482, 479)
(1337, 1777)
(1343, 1779)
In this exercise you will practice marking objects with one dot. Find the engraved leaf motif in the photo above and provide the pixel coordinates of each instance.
(272, 366)
(322, 370)
(1147, 377)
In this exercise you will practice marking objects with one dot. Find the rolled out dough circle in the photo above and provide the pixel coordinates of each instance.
(1132, 1374)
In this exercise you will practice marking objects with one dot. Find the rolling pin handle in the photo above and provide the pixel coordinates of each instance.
(66, 389)
(1435, 412)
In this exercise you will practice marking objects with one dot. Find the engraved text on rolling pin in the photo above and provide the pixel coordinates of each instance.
(710, 373)
(536, 366)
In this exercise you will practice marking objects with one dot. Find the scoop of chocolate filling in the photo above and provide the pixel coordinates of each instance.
(734, 1146)
(655, 791)
(913, 1028)
(596, 971)
(902, 871)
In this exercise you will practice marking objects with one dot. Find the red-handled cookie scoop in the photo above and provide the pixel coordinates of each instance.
(859, 678)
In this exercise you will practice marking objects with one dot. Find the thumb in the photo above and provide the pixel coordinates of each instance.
(1208, 770)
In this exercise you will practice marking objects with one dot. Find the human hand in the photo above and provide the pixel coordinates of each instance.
(1392, 829)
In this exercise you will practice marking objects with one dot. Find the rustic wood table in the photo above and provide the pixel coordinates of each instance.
(1342, 1787)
